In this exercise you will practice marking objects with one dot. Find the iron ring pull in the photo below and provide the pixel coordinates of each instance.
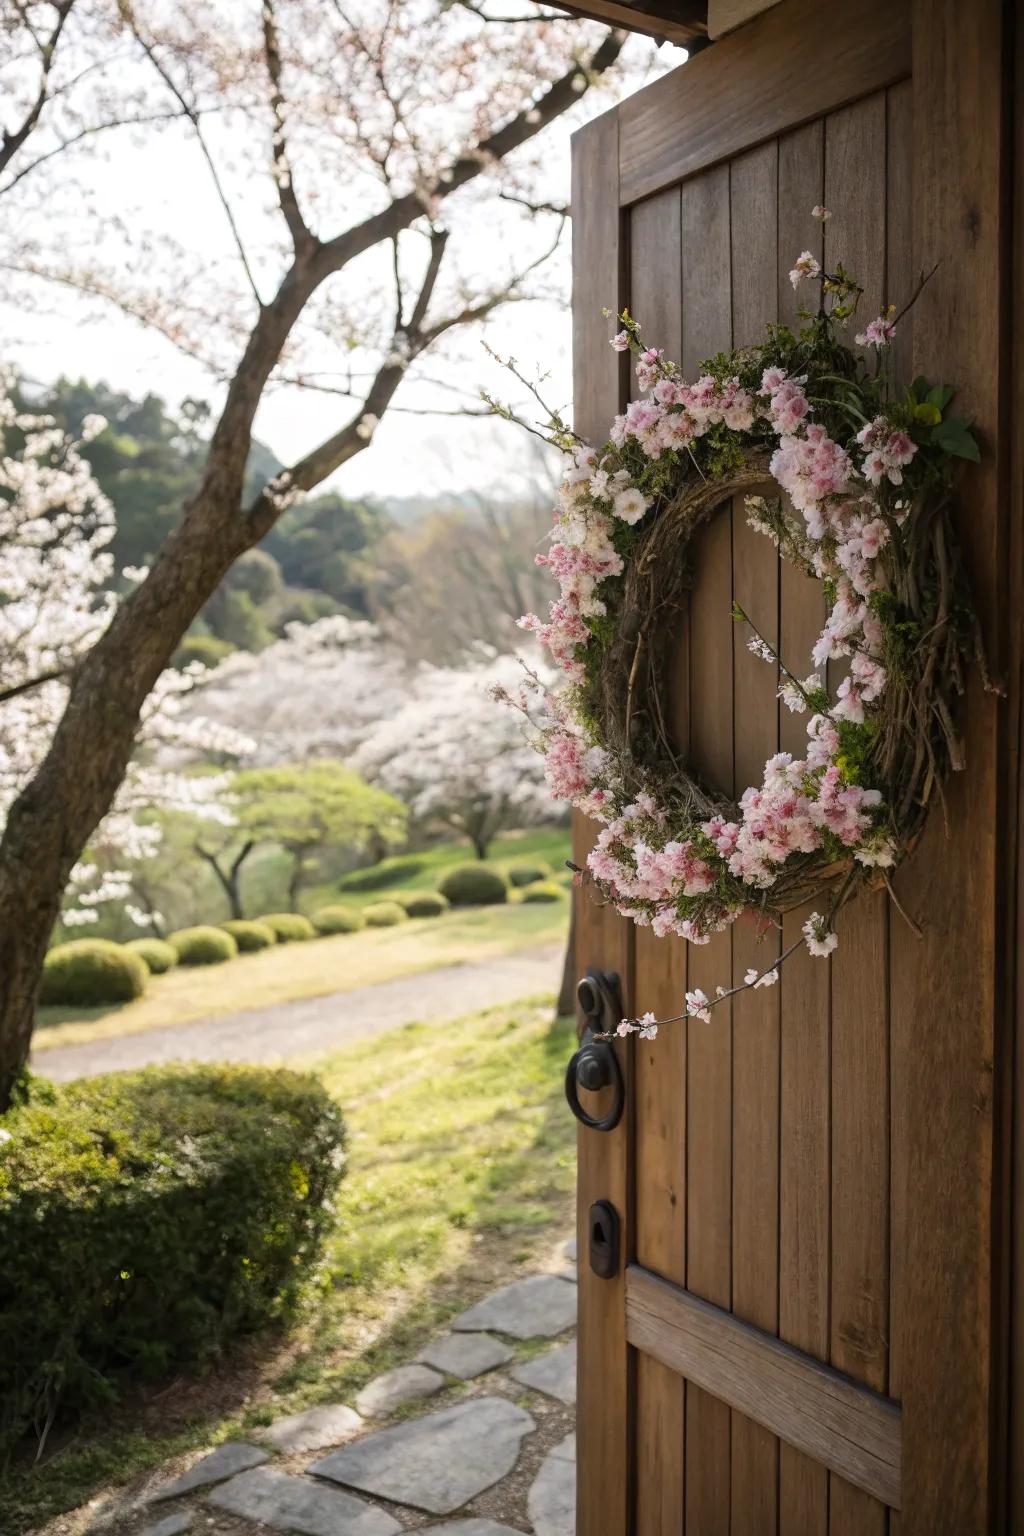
(595, 1065)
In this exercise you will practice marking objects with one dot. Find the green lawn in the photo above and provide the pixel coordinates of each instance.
(550, 844)
(313, 968)
(461, 1178)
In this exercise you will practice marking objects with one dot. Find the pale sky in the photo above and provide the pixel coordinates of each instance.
(411, 454)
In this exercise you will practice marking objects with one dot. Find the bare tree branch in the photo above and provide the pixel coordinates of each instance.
(192, 115)
(12, 142)
(297, 227)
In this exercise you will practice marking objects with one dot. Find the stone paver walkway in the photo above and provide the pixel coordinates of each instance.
(495, 1456)
(317, 1023)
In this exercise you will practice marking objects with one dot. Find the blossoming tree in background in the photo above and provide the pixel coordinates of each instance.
(325, 140)
(454, 759)
(55, 600)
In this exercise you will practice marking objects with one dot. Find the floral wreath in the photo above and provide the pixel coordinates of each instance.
(867, 470)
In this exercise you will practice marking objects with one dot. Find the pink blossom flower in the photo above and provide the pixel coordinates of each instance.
(878, 333)
(620, 342)
(819, 211)
(698, 1005)
(820, 938)
(806, 265)
(630, 505)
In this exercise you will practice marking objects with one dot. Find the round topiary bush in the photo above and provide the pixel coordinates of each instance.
(528, 872)
(542, 890)
(379, 876)
(423, 903)
(148, 1218)
(203, 945)
(92, 971)
(249, 935)
(384, 914)
(158, 955)
(288, 927)
(474, 885)
(328, 920)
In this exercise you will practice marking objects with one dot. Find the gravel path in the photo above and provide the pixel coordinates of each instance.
(318, 1023)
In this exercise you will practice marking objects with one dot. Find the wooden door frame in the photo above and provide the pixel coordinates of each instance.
(950, 1244)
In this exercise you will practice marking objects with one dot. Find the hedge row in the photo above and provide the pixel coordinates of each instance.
(148, 1218)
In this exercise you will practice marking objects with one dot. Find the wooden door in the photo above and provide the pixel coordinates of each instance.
(805, 1336)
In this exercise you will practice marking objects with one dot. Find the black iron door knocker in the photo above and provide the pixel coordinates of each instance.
(595, 1065)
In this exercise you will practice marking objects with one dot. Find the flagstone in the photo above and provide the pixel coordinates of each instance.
(288, 1503)
(438, 1462)
(227, 1460)
(473, 1527)
(394, 1389)
(171, 1525)
(467, 1355)
(551, 1501)
(314, 1430)
(538, 1307)
(554, 1374)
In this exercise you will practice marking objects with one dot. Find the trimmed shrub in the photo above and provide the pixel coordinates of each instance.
(380, 876)
(384, 914)
(250, 936)
(327, 920)
(529, 872)
(158, 955)
(288, 927)
(474, 885)
(148, 1217)
(542, 890)
(423, 903)
(203, 945)
(92, 971)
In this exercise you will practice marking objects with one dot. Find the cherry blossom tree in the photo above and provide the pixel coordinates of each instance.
(328, 144)
(453, 758)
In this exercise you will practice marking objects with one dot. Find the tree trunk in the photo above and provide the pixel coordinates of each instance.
(566, 1004)
(230, 879)
(294, 882)
(480, 845)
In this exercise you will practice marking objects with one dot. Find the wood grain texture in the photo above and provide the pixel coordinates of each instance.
(660, 966)
(810, 1406)
(707, 327)
(755, 1085)
(603, 939)
(1015, 1402)
(766, 78)
(857, 238)
(943, 1116)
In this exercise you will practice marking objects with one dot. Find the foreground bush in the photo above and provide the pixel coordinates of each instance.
(384, 914)
(157, 954)
(474, 885)
(423, 903)
(203, 945)
(542, 890)
(89, 971)
(528, 872)
(380, 876)
(250, 936)
(149, 1217)
(289, 927)
(328, 920)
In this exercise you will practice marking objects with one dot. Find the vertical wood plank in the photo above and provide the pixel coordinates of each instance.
(604, 1475)
(707, 327)
(801, 186)
(1015, 1406)
(660, 1064)
(755, 1183)
(804, 988)
(943, 1107)
(900, 278)
(856, 237)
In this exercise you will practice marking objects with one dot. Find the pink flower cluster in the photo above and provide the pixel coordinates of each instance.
(888, 452)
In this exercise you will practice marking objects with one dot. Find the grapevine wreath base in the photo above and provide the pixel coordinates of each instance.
(863, 473)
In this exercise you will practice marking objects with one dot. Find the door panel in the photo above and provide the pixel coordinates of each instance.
(769, 1164)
